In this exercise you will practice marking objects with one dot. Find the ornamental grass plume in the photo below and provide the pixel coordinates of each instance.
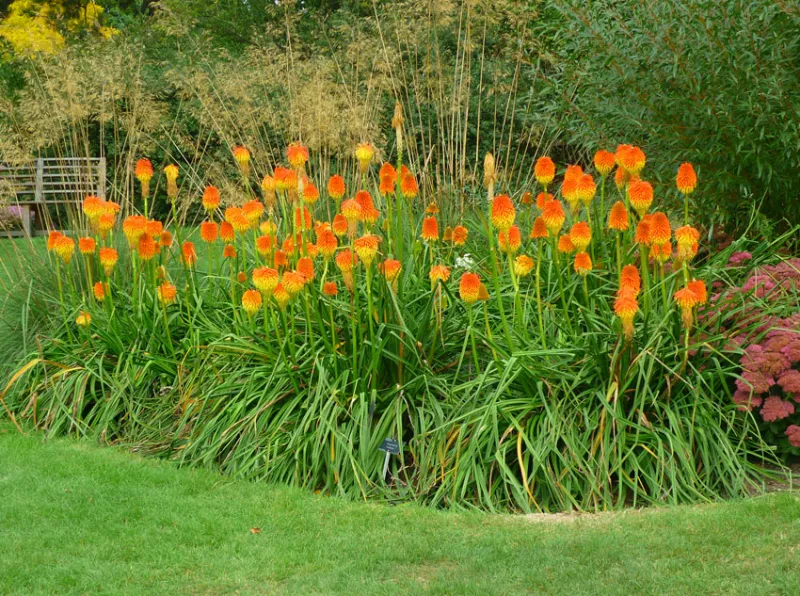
(544, 170)
(430, 229)
(86, 245)
(460, 234)
(367, 248)
(189, 254)
(640, 195)
(554, 217)
(364, 154)
(144, 173)
(251, 302)
(523, 265)
(469, 287)
(211, 198)
(265, 279)
(539, 229)
(64, 247)
(336, 187)
(242, 156)
(439, 273)
(604, 162)
(580, 235)
(171, 173)
(297, 155)
(108, 259)
(618, 217)
(209, 231)
(503, 213)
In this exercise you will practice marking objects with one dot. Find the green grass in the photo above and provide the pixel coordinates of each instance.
(82, 519)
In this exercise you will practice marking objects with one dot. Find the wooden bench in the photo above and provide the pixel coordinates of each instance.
(32, 186)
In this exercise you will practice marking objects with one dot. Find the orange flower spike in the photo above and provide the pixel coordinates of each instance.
(364, 154)
(209, 231)
(580, 235)
(99, 291)
(542, 199)
(586, 189)
(265, 245)
(108, 259)
(569, 190)
(523, 265)
(387, 171)
(439, 273)
(366, 248)
(133, 227)
(105, 223)
(460, 234)
(583, 263)
(631, 159)
(408, 186)
(154, 229)
(618, 217)
(469, 287)
(544, 171)
(171, 173)
(226, 232)
(252, 210)
(305, 266)
(167, 293)
(553, 217)
(84, 319)
(573, 173)
(293, 281)
(297, 155)
(346, 260)
(189, 254)
(565, 244)
(241, 277)
(699, 288)
(430, 229)
(686, 299)
(327, 244)
(147, 248)
(93, 207)
(336, 187)
(268, 187)
(509, 242)
(621, 179)
(432, 209)
(390, 268)
(527, 198)
(687, 239)
(539, 229)
(339, 225)
(64, 247)
(640, 194)
(387, 186)
(229, 252)
(251, 302)
(604, 162)
(281, 296)
(660, 229)
(210, 198)
(369, 214)
(302, 218)
(265, 279)
(686, 180)
(643, 232)
(144, 173)
(51, 239)
(661, 252)
(630, 280)
(626, 307)
(86, 245)
(503, 213)
(310, 193)
(330, 289)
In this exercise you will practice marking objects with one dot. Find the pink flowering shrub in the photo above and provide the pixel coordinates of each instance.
(769, 382)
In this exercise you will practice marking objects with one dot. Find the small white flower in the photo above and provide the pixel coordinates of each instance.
(464, 262)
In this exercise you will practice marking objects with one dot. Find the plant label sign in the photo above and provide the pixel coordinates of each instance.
(390, 446)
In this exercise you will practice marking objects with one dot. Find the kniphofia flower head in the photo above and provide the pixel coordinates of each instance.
(241, 277)
(460, 234)
(305, 267)
(167, 293)
(367, 247)
(302, 218)
(330, 289)
(503, 213)
(439, 273)
(408, 186)
(339, 225)
(640, 194)
(252, 210)
(108, 259)
(565, 244)
(171, 172)
(586, 189)
(268, 187)
(631, 158)
(698, 286)
(209, 231)
(660, 229)
(84, 319)
(447, 236)
(583, 263)
(99, 291)
(686, 299)
(251, 301)
(51, 239)
(523, 265)
(542, 199)
(527, 198)
(430, 229)
(661, 252)
(293, 281)
(626, 307)
(189, 254)
(369, 214)
(64, 247)
(364, 154)
(211, 198)
(686, 180)
(265, 245)
(281, 296)
(387, 186)
(327, 243)
(310, 193)
(469, 287)
(630, 280)
(154, 228)
(336, 188)
(226, 232)
(93, 207)
(618, 217)
(86, 245)
(346, 260)
(553, 216)
(265, 279)
(387, 170)
(580, 235)
(510, 241)
(242, 157)
(621, 178)
(544, 170)
(143, 170)
(643, 232)
(573, 173)
(604, 162)
(390, 268)
(133, 227)
(539, 229)
(688, 239)
(297, 155)
(147, 247)
(229, 252)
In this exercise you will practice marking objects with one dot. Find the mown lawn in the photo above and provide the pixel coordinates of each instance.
(83, 519)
